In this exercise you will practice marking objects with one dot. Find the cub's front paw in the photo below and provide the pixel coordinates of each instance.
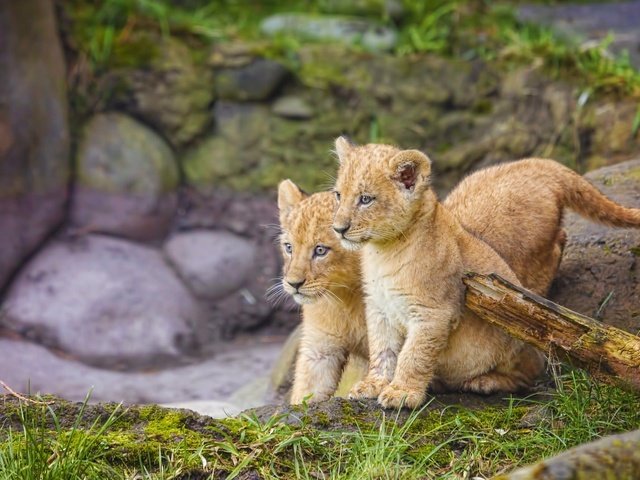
(394, 396)
(298, 398)
(367, 388)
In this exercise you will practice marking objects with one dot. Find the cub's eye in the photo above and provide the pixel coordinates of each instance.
(365, 199)
(337, 194)
(288, 248)
(320, 251)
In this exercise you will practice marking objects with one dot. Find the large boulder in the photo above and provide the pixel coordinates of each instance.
(599, 274)
(213, 264)
(245, 218)
(126, 179)
(34, 136)
(106, 301)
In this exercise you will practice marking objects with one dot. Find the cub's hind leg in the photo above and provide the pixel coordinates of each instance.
(321, 359)
(517, 375)
(543, 268)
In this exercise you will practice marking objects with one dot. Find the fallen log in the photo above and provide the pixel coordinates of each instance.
(609, 354)
(615, 456)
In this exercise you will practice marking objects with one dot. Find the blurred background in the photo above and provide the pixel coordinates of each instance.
(141, 142)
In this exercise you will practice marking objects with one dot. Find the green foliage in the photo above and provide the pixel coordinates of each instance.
(39, 452)
(479, 29)
(152, 443)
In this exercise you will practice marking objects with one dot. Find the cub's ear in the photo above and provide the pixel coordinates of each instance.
(411, 168)
(289, 195)
(343, 146)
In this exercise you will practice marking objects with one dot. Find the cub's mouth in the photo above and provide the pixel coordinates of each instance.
(303, 299)
(299, 297)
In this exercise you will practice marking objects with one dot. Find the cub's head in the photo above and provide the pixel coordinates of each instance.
(379, 188)
(315, 265)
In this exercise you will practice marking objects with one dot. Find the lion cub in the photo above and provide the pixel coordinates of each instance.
(414, 254)
(325, 279)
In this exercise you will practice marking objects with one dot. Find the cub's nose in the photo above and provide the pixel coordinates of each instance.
(342, 230)
(296, 285)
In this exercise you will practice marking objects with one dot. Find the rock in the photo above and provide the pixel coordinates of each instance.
(34, 135)
(341, 414)
(612, 127)
(126, 180)
(210, 408)
(614, 456)
(241, 133)
(352, 31)
(292, 107)
(253, 218)
(28, 367)
(599, 274)
(212, 264)
(253, 82)
(108, 302)
(165, 88)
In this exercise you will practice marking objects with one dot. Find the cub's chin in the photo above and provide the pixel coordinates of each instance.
(350, 244)
(301, 299)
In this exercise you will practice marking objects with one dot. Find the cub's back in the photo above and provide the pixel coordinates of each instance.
(516, 209)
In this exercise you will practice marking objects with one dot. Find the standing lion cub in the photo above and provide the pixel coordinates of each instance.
(414, 254)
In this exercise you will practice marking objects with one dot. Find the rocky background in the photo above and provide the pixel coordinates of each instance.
(137, 213)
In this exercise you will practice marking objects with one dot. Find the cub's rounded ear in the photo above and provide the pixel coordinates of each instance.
(411, 168)
(289, 195)
(343, 146)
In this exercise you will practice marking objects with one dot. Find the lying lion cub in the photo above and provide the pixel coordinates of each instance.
(414, 253)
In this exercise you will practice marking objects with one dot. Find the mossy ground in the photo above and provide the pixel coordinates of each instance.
(337, 439)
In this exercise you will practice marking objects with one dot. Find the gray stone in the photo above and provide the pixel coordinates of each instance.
(292, 107)
(34, 135)
(170, 93)
(126, 179)
(241, 132)
(254, 218)
(213, 264)
(354, 31)
(253, 82)
(107, 302)
(27, 367)
(599, 274)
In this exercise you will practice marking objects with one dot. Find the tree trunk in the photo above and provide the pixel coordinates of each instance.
(609, 354)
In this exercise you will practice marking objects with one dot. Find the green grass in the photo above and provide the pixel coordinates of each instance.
(34, 453)
(449, 443)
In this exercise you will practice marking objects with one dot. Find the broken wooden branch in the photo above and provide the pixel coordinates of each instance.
(609, 354)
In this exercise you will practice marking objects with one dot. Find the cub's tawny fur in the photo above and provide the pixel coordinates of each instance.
(517, 208)
(325, 279)
(414, 254)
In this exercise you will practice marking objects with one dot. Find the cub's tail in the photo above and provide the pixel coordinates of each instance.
(582, 197)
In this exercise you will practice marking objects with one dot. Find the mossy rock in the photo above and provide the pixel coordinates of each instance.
(159, 80)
